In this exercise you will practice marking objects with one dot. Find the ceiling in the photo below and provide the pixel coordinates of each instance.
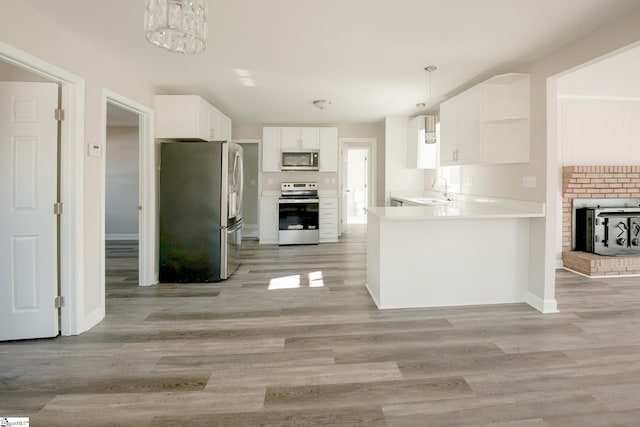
(366, 56)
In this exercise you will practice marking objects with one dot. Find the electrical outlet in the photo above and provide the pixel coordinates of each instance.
(529, 182)
(469, 180)
(95, 150)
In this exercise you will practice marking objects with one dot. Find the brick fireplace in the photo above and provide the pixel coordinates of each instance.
(597, 182)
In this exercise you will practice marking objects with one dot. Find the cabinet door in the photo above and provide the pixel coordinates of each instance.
(271, 149)
(328, 149)
(448, 132)
(309, 138)
(214, 124)
(268, 221)
(181, 117)
(469, 117)
(290, 138)
(225, 128)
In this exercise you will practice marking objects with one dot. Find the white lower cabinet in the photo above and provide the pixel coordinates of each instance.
(328, 221)
(268, 219)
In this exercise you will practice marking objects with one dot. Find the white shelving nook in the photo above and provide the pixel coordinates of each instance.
(488, 123)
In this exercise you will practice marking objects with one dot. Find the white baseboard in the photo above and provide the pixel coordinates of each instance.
(543, 306)
(121, 237)
(92, 319)
(373, 297)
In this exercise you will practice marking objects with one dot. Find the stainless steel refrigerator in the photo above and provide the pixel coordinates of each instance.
(200, 211)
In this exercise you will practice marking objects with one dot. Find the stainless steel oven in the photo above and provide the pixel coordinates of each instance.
(298, 214)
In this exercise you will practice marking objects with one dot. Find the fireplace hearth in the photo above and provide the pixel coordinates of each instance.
(601, 188)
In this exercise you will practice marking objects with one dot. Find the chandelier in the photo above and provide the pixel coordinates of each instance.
(176, 25)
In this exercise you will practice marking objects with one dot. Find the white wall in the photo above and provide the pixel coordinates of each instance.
(56, 45)
(620, 34)
(599, 131)
(11, 73)
(121, 210)
(397, 175)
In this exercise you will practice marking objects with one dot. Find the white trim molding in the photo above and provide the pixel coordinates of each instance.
(73, 319)
(546, 306)
(147, 188)
(371, 144)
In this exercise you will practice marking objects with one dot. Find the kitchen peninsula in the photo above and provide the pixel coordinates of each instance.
(432, 252)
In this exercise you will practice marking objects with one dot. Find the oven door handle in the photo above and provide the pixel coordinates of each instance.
(284, 201)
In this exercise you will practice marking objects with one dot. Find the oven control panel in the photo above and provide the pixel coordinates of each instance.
(295, 186)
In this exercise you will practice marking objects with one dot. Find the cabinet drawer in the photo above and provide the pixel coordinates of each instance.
(329, 203)
(328, 223)
(328, 233)
(328, 213)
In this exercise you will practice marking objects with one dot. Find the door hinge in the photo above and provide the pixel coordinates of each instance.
(58, 208)
(59, 114)
(59, 301)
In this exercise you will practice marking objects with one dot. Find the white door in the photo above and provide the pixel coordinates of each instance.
(357, 185)
(28, 225)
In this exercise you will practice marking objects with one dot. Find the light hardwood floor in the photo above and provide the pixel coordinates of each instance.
(239, 354)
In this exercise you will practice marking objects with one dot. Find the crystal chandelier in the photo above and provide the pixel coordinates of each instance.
(176, 25)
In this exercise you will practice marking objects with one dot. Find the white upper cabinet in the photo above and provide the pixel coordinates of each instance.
(225, 127)
(271, 137)
(488, 123)
(506, 119)
(295, 138)
(328, 143)
(185, 117)
(419, 154)
(278, 139)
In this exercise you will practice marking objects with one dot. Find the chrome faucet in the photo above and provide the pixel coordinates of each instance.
(446, 186)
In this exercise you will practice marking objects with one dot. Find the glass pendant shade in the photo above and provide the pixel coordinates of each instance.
(176, 25)
(430, 119)
(430, 129)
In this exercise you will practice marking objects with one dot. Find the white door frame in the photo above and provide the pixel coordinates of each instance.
(259, 142)
(371, 145)
(72, 314)
(147, 220)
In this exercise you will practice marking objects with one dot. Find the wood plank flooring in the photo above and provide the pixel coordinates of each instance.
(314, 351)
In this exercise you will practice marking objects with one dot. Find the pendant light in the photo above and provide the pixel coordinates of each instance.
(176, 25)
(430, 119)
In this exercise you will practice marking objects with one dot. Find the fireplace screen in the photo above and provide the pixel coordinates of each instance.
(608, 231)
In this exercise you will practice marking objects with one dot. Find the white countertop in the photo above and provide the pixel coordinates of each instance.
(469, 207)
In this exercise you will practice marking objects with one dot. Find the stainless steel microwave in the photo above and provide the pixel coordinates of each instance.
(300, 160)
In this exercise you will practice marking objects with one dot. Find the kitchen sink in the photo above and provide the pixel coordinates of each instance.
(428, 201)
